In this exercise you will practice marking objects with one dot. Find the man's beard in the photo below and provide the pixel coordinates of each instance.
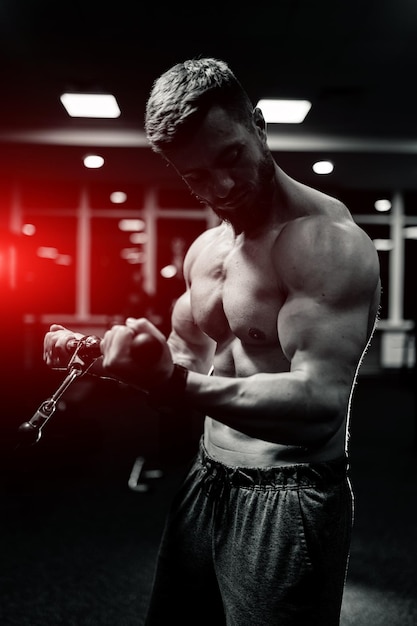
(255, 208)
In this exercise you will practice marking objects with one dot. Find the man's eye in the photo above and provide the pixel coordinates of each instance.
(231, 157)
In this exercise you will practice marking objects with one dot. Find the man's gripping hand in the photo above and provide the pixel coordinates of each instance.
(57, 348)
(137, 353)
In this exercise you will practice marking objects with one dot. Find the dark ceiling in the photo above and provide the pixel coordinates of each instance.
(355, 60)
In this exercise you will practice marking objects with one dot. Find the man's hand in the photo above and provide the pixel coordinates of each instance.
(57, 346)
(137, 353)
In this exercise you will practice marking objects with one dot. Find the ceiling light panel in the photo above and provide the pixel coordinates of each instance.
(284, 111)
(90, 105)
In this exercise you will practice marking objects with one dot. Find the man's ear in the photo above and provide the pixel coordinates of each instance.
(259, 120)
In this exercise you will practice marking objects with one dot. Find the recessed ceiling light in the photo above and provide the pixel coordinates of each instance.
(118, 197)
(323, 167)
(28, 229)
(382, 205)
(93, 161)
(90, 105)
(284, 111)
(169, 271)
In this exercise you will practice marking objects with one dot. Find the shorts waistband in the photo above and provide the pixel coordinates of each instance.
(295, 475)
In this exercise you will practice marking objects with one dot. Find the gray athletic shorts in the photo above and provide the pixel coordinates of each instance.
(255, 547)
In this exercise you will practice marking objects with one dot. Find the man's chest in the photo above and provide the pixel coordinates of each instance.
(235, 293)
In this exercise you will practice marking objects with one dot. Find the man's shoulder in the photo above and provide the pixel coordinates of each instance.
(207, 237)
(325, 245)
(204, 241)
(319, 228)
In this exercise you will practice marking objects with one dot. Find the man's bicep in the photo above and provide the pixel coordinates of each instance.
(189, 345)
(322, 338)
(331, 296)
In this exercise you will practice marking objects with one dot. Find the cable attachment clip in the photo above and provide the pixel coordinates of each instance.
(87, 350)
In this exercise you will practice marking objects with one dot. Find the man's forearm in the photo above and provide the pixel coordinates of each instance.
(274, 407)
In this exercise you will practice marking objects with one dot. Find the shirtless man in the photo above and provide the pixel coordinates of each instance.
(281, 302)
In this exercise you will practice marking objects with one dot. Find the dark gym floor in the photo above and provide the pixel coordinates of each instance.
(78, 545)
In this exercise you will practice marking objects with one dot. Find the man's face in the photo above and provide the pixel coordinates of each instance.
(229, 168)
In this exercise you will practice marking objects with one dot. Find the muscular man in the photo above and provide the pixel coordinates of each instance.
(281, 302)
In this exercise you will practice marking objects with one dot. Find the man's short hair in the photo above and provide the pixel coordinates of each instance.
(183, 94)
